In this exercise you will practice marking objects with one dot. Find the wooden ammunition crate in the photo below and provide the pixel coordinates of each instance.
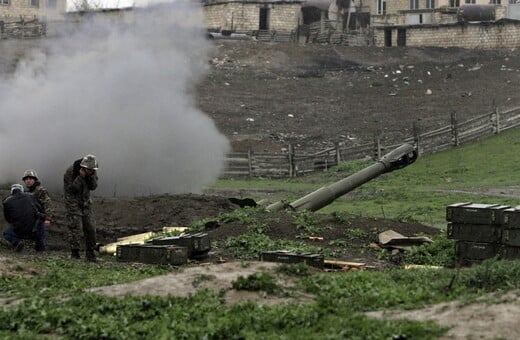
(511, 218)
(511, 237)
(476, 250)
(475, 213)
(128, 252)
(151, 254)
(198, 244)
(488, 233)
(315, 260)
(163, 254)
(510, 253)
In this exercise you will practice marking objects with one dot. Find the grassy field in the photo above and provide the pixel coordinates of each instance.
(421, 191)
(54, 303)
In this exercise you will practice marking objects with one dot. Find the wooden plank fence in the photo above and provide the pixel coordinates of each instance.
(297, 163)
(22, 29)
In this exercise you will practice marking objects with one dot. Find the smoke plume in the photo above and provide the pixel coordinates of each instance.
(124, 92)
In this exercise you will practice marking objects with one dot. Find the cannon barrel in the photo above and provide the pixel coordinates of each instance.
(399, 158)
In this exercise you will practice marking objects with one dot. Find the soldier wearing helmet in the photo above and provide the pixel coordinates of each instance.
(25, 217)
(34, 186)
(79, 180)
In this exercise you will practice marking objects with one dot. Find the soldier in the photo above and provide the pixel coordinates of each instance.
(79, 179)
(25, 217)
(34, 186)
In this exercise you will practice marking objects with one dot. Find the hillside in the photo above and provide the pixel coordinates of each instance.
(265, 96)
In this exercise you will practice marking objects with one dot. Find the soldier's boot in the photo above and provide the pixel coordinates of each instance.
(90, 256)
(19, 246)
(74, 254)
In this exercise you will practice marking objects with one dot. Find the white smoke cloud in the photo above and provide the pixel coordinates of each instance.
(124, 93)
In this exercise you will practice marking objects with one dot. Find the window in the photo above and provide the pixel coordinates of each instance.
(470, 1)
(496, 2)
(454, 3)
(414, 4)
(51, 4)
(34, 3)
(430, 4)
(5, 2)
(381, 7)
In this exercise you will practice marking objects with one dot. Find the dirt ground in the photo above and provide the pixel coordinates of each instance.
(264, 96)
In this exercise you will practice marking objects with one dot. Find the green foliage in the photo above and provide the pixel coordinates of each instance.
(492, 275)
(355, 233)
(249, 246)
(294, 269)
(260, 281)
(243, 216)
(202, 315)
(307, 223)
(336, 311)
(64, 276)
(441, 252)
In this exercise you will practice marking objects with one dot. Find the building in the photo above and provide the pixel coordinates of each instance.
(253, 15)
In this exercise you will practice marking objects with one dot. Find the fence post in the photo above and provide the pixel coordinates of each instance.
(292, 166)
(454, 129)
(416, 136)
(250, 161)
(496, 121)
(377, 145)
(338, 153)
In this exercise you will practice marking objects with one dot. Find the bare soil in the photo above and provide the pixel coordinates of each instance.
(264, 96)
(494, 316)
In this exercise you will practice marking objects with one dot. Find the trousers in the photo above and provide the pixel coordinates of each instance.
(77, 223)
(38, 236)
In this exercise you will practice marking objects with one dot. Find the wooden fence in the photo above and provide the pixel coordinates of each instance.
(22, 29)
(296, 163)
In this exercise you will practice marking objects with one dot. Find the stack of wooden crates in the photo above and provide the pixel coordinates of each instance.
(483, 231)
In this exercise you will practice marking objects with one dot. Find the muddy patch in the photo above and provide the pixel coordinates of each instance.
(492, 317)
(217, 277)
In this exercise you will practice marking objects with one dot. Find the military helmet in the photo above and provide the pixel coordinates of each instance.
(89, 162)
(16, 187)
(30, 173)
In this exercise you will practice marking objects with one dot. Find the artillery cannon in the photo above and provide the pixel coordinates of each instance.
(399, 158)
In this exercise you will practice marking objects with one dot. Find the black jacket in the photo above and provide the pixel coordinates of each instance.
(23, 212)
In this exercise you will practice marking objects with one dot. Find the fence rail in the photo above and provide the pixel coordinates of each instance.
(22, 29)
(296, 163)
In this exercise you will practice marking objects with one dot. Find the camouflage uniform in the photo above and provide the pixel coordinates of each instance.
(79, 208)
(42, 196)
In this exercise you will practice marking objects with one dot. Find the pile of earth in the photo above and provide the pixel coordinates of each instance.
(118, 217)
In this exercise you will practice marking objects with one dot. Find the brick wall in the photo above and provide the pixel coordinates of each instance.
(243, 17)
(285, 17)
(21, 8)
(504, 34)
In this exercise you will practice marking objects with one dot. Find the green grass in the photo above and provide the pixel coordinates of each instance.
(335, 312)
(421, 191)
(55, 303)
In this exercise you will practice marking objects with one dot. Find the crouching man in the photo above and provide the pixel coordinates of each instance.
(25, 217)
